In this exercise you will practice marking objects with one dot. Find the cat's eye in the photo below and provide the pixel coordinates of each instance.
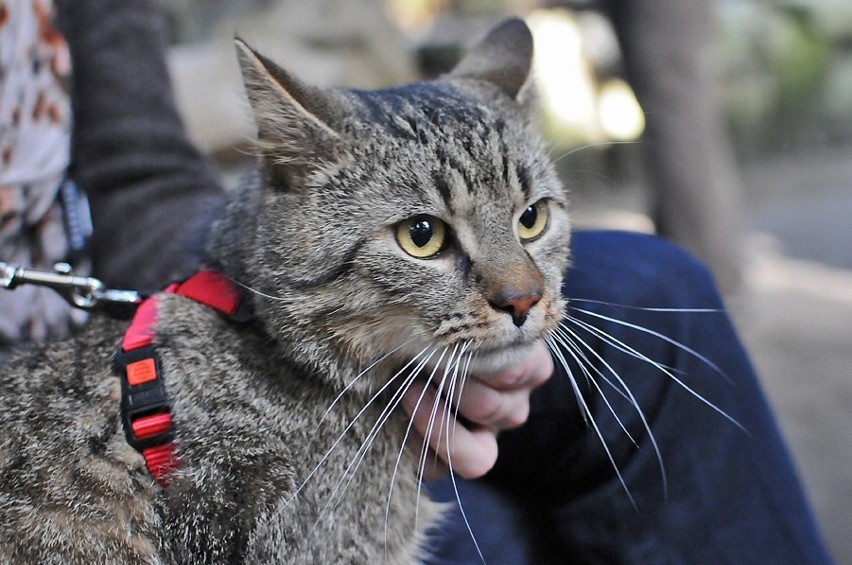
(422, 236)
(533, 221)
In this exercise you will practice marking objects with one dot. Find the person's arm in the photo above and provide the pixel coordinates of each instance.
(152, 194)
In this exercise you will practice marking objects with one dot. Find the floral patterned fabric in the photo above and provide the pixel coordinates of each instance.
(35, 126)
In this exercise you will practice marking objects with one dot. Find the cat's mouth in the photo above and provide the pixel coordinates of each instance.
(512, 347)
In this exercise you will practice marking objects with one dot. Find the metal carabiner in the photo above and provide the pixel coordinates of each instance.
(86, 293)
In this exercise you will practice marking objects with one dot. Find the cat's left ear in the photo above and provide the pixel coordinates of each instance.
(294, 119)
(503, 58)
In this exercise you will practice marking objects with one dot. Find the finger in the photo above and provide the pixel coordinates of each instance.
(534, 370)
(494, 409)
(430, 466)
(470, 453)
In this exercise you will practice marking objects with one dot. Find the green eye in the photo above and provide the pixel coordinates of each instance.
(422, 236)
(533, 221)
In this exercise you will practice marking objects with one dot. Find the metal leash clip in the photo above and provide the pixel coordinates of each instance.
(86, 293)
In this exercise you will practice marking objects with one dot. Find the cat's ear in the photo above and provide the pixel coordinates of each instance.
(294, 119)
(503, 57)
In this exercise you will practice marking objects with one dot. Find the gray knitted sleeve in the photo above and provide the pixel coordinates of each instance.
(152, 194)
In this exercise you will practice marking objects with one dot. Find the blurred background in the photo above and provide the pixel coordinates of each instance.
(724, 125)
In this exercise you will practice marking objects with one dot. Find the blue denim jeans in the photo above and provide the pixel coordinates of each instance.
(711, 482)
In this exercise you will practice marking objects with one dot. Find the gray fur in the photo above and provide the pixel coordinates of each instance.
(258, 407)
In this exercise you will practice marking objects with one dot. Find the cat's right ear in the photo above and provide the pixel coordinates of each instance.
(503, 58)
(293, 118)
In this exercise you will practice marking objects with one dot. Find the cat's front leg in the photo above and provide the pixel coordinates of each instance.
(221, 492)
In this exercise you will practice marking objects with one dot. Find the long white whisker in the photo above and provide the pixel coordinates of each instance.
(463, 381)
(451, 413)
(579, 357)
(606, 338)
(382, 418)
(263, 294)
(563, 331)
(573, 338)
(631, 397)
(461, 506)
(365, 371)
(424, 449)
(658, 335)
(451, 371)
(449, 439)
(408, 434)
(649, 309)
(665, 370)
(574, 386)
(352, 422)
(591, 146)
(408, 429)
(588, 416)
(452, 367)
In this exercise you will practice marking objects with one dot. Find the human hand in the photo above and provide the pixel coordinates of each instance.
(489, 403)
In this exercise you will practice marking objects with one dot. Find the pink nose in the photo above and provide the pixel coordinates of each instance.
(517, 306)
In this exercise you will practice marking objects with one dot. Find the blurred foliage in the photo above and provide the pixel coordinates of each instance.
(775, 65)
(785, 66)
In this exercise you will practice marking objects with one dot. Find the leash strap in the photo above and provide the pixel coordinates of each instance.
(145, 406)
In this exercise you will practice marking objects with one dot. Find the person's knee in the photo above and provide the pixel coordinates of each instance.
(639, 270)
(670, 270)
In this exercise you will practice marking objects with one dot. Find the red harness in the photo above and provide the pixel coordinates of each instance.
(145, 406)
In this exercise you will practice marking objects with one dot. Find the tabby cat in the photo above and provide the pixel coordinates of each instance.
(413, 232)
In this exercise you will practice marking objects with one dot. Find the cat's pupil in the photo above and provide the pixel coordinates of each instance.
(529, 217)
(421, 232)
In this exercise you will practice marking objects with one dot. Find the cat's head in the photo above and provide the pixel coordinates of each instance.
(398, 220)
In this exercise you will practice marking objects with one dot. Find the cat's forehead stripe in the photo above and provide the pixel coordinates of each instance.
(445, 191)
(447, 161)
(524, 181)
(474, 147)
(404, 111)
(469, 169)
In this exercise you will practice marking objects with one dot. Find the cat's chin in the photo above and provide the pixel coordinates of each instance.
(494, 360)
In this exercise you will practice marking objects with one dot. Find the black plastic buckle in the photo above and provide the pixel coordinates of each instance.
(143, 399)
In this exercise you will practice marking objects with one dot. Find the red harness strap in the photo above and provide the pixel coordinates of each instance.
(145, 406)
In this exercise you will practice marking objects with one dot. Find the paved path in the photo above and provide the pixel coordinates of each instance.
(797, 320)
